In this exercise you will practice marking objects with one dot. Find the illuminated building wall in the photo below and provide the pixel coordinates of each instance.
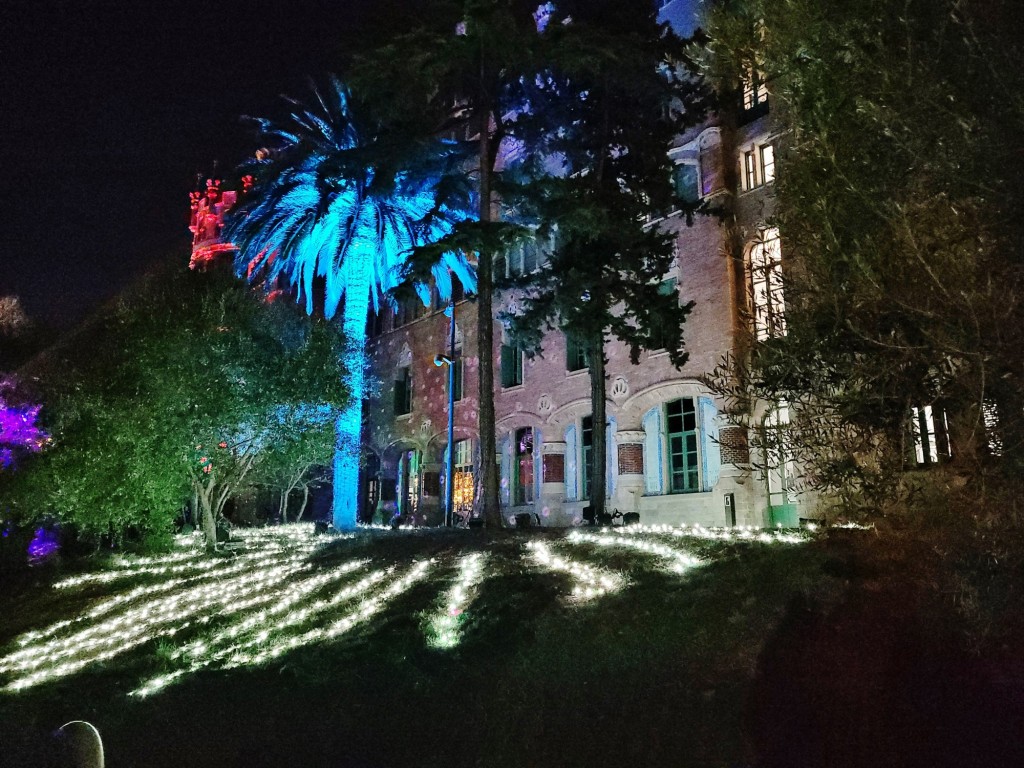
(672, 455)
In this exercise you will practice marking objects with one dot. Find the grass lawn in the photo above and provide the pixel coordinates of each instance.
(663, 662)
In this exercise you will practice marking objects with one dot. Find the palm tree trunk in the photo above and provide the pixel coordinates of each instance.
(345, 505)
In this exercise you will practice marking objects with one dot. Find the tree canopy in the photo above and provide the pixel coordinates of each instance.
(342, 197)
(174, 393)
(899, 205)
(615, 90)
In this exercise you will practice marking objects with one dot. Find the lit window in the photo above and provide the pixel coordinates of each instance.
(749, 170)
(766, 285)
(403, 392)
(463, 489)
(767, 163)
(524, 466)
(930, 431)
(511, 366)
(755, 92)
(758, 166)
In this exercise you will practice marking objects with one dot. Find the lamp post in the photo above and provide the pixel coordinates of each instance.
(449, 360)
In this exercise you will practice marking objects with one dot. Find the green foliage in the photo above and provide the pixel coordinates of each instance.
(185, 385)
(899, 203)
(614, 93)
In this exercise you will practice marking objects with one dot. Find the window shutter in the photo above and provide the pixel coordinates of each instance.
(710, 448)
(538, 463)
(443, 474)
(652, 450)
(613, 457)
(506, 469)
(571, 450)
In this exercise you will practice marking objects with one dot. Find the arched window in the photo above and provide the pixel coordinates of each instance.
(682, 453)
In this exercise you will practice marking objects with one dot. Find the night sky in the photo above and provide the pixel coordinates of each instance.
(108, 110)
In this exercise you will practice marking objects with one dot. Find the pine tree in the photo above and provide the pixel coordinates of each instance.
(464, 77)
(615, 90)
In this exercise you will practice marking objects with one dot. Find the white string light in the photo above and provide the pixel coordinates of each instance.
(589, 583)
(443, 626)
(364, 610)
(290, 596)
(738, 533)
(159, 618)
(680, 561)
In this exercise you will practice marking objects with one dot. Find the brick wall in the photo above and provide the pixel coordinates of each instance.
(735, 449)
(631, 459)
(554, 468)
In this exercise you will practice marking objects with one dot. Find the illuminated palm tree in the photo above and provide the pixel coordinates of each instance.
(339, 199)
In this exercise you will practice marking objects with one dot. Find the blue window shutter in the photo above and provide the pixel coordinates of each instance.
(506, 470)
(613, 456)
(444, 473)
(538, 463)
(571, 482)
(710, 449)
(652, 450)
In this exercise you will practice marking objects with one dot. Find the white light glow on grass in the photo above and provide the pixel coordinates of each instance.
(360, 613)
(265, 637)
(680, 561)
(281, 614)
(156, 619)
(208, 564)
(737, 533)
(443, 626)
(589, 582)
(199, 590)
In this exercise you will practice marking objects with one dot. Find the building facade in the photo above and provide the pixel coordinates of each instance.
(673, 456)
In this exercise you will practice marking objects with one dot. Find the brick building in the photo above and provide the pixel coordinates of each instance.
(672, 456)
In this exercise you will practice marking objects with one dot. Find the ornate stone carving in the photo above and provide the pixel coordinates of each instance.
(619, 389)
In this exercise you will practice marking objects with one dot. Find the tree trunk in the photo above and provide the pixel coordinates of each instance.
(598, 452)
(305, 500)
(348, 427)
(282, 507)
(207, 518)
(485, 340)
